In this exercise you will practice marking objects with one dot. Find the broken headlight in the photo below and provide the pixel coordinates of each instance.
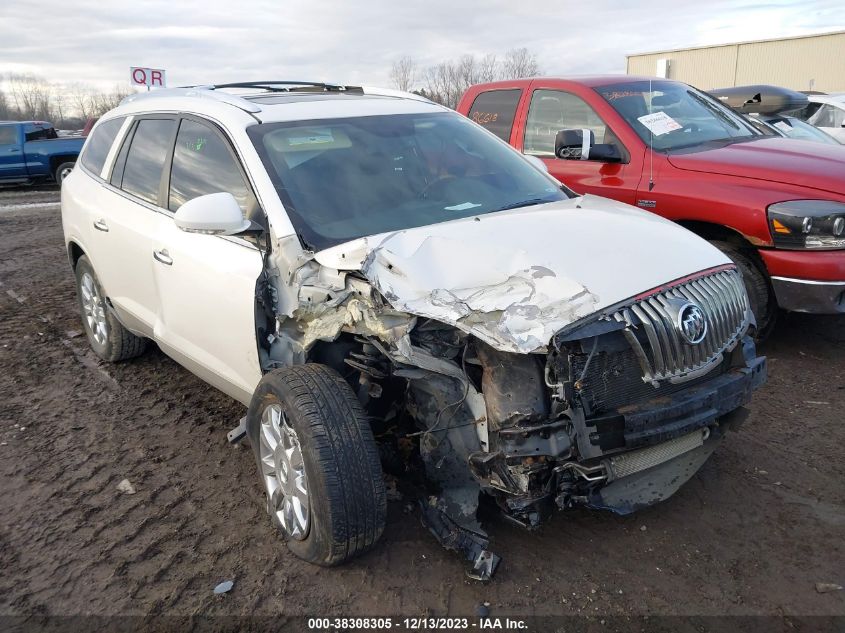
(810, 224)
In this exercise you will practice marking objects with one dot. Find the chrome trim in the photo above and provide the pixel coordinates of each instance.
(814, 297)
(667, 355)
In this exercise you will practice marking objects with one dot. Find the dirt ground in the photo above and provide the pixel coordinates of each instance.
(752, 533)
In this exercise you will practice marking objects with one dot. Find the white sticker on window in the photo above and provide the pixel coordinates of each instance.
(659, 123)
(783, 126)
(462, 207)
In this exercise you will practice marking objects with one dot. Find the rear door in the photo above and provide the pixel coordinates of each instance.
(551, 110)
(206, 283)
(124, 225)
(12, 161)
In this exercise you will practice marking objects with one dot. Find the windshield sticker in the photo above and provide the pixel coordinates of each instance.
(462, 207)
(311, 140)
(783, 126)
(659, 123)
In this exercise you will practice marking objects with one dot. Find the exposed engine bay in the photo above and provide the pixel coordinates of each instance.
(615, 410)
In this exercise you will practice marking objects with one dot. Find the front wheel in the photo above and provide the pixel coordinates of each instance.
(761, 298)
(318, 463)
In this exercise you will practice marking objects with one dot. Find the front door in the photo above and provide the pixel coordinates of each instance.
(549, 112)
(206, 283)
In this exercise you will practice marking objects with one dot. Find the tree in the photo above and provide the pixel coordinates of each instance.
(403, 73)
(519, 63)
(447, 81)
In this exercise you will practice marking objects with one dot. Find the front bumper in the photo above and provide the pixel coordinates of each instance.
(654, 421)
(817, 297)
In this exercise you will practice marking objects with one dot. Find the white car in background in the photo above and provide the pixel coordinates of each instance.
(827, 112)
(353, 264)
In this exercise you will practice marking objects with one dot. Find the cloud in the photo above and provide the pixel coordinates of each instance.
(355, 42)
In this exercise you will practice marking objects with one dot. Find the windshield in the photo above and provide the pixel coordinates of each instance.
(794, 128)
(341, 179)
(668, 115)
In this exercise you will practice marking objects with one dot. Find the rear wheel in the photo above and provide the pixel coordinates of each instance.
(106, 335)
(760, 294)
(62, 171)
(318, 463)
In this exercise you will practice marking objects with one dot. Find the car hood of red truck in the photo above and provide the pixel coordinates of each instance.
(782, 160)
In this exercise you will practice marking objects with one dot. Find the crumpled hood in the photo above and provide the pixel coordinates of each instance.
(514, 278)
(774, 159)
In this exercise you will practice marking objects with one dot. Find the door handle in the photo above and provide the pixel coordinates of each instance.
(100, 225)
(163, 256)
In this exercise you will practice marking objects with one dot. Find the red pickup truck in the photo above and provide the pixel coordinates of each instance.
(775, 205)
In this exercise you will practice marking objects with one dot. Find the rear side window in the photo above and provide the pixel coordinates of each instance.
(99, 145)
(146, 157)
(495, 110)
(203, 164)
(8, 135)
(39, 133)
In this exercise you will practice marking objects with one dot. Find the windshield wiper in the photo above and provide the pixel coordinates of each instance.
(524, 203)
(715, 110)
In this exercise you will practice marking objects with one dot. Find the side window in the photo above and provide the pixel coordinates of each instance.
(495, 110)
(145, 160)
(8, 135)
(99, 145)
(39, 133)
(552, 111)
(203, 164)
(828, 116)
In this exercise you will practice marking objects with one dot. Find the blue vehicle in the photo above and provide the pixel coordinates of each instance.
(31, 151)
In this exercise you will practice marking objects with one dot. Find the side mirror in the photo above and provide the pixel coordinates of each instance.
(574, 144)
(212, 214)
(580, 145)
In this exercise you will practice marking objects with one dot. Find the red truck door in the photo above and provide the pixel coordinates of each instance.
(549, 109)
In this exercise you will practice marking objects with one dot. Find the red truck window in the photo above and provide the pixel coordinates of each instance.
(552, 111)
(495, 110)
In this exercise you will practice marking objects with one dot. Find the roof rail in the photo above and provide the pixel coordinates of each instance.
(289, 86)
(206, 92)
(216, 93)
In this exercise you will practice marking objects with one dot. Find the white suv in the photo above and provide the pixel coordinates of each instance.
(358, 265)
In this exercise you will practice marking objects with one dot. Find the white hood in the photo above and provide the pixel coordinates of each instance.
(514, 278)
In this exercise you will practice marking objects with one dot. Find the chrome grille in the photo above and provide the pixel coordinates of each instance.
(654, 334)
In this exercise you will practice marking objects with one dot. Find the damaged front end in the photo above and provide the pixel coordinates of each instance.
(615, 409)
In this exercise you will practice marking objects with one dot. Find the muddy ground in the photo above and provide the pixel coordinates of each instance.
(752, 533)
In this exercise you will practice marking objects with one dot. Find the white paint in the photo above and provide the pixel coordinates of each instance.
(516, 277)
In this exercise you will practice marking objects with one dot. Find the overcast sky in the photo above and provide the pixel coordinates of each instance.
(355, 41)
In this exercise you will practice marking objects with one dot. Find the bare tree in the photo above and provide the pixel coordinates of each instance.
(404, 73)
(519, 63)
(33, 97)
(447, 81)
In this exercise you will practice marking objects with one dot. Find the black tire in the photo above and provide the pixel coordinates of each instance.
(348, 503)
(120, 343)
(63, 168)
(760, 294)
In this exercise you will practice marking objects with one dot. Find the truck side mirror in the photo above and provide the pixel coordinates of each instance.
(580, 145)
(574, 144)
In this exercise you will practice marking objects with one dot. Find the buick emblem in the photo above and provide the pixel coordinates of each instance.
(692, 323)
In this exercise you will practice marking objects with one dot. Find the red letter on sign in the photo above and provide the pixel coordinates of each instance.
(139, 76)
(155, 78)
